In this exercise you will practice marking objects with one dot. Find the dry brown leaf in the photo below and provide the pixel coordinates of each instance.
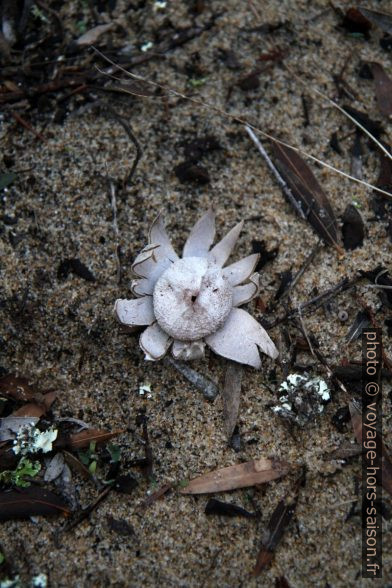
(84, 438)
(278, 523)
(308, 193)
(16, 388)
(383, 88)
(92, 36)
(34, 409)
(231, 395)
(241, 475)
(28, 502)
(31, 409)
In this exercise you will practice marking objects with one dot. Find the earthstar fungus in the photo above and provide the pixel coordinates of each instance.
(189, 302)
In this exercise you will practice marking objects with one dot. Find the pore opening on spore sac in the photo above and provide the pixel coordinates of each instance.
(192, 299)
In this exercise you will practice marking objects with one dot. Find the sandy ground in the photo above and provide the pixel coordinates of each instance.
(65, 337)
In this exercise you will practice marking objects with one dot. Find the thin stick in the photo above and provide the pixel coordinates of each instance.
(285, 189)
(231, 396)
(127, 128)
(237, 119)
(304, 331)
(302, 270)
(26, 125)
(317, 301)
(113, 203)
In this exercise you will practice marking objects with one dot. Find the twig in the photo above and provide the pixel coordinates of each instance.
(285, 189)
(127, 128)
(155, 496)
(298, 275)
(317, 301)
(329, 371)
(305, 332)
(207, 387)
(113, 203)
(82, 515)
(26, 125)
(231, 395)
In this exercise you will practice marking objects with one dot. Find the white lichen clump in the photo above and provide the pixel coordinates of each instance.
(190, 302)
(31, 440)
(302, 398)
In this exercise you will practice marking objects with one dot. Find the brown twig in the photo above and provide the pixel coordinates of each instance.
(81, 515)
(26, 125)
(127, 128)
(317, 301)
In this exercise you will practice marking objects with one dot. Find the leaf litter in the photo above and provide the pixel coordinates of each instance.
(308, 193)
(277, 525)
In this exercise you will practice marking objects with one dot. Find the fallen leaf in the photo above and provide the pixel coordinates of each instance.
(84, 438)
(227, 509)
(353, 228)
(383, 461)
(345, 451)
(308, 192)
(16, 388)
(286, 279)
(372, 126)
(92, 36)
(384, 179)
(54, 467)
(34, 409)
(231, 395)
(278, 523)
(383, 88)
(30, 502)
(241, 475)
